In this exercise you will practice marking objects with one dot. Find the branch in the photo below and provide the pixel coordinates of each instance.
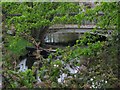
(13, 14)
(7, 80)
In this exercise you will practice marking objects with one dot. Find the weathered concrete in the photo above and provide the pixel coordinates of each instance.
(68, 33)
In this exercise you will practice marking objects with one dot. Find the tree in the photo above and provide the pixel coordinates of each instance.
(36, 17)
(99, 58)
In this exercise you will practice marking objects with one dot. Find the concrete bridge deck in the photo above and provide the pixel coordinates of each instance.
(76, 29)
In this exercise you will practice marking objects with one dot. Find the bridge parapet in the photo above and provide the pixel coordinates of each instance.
(74, 28)
(61, 26)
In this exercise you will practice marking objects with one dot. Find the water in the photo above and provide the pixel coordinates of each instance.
(22, 65)
(73, 70)
(60, 37)
(66, 35)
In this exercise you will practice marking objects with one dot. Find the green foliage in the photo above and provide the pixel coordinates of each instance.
(97, 59)
(17, 45)
(105, 14)
(98, 72)
(35, 16)
(18, 79)
(27, 79)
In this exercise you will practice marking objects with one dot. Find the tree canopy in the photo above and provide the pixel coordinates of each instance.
(31, 21)
(34, 18)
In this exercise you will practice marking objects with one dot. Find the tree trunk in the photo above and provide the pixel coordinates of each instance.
(39, 35)
(42, 34)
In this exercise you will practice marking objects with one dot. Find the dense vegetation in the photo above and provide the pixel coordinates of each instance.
(98, 61)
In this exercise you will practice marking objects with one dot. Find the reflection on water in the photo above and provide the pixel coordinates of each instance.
(61, 37)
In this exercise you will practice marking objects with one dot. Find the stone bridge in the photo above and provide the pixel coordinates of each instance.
(66, 33)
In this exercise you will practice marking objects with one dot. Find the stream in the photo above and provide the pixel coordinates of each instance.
(57, 39)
